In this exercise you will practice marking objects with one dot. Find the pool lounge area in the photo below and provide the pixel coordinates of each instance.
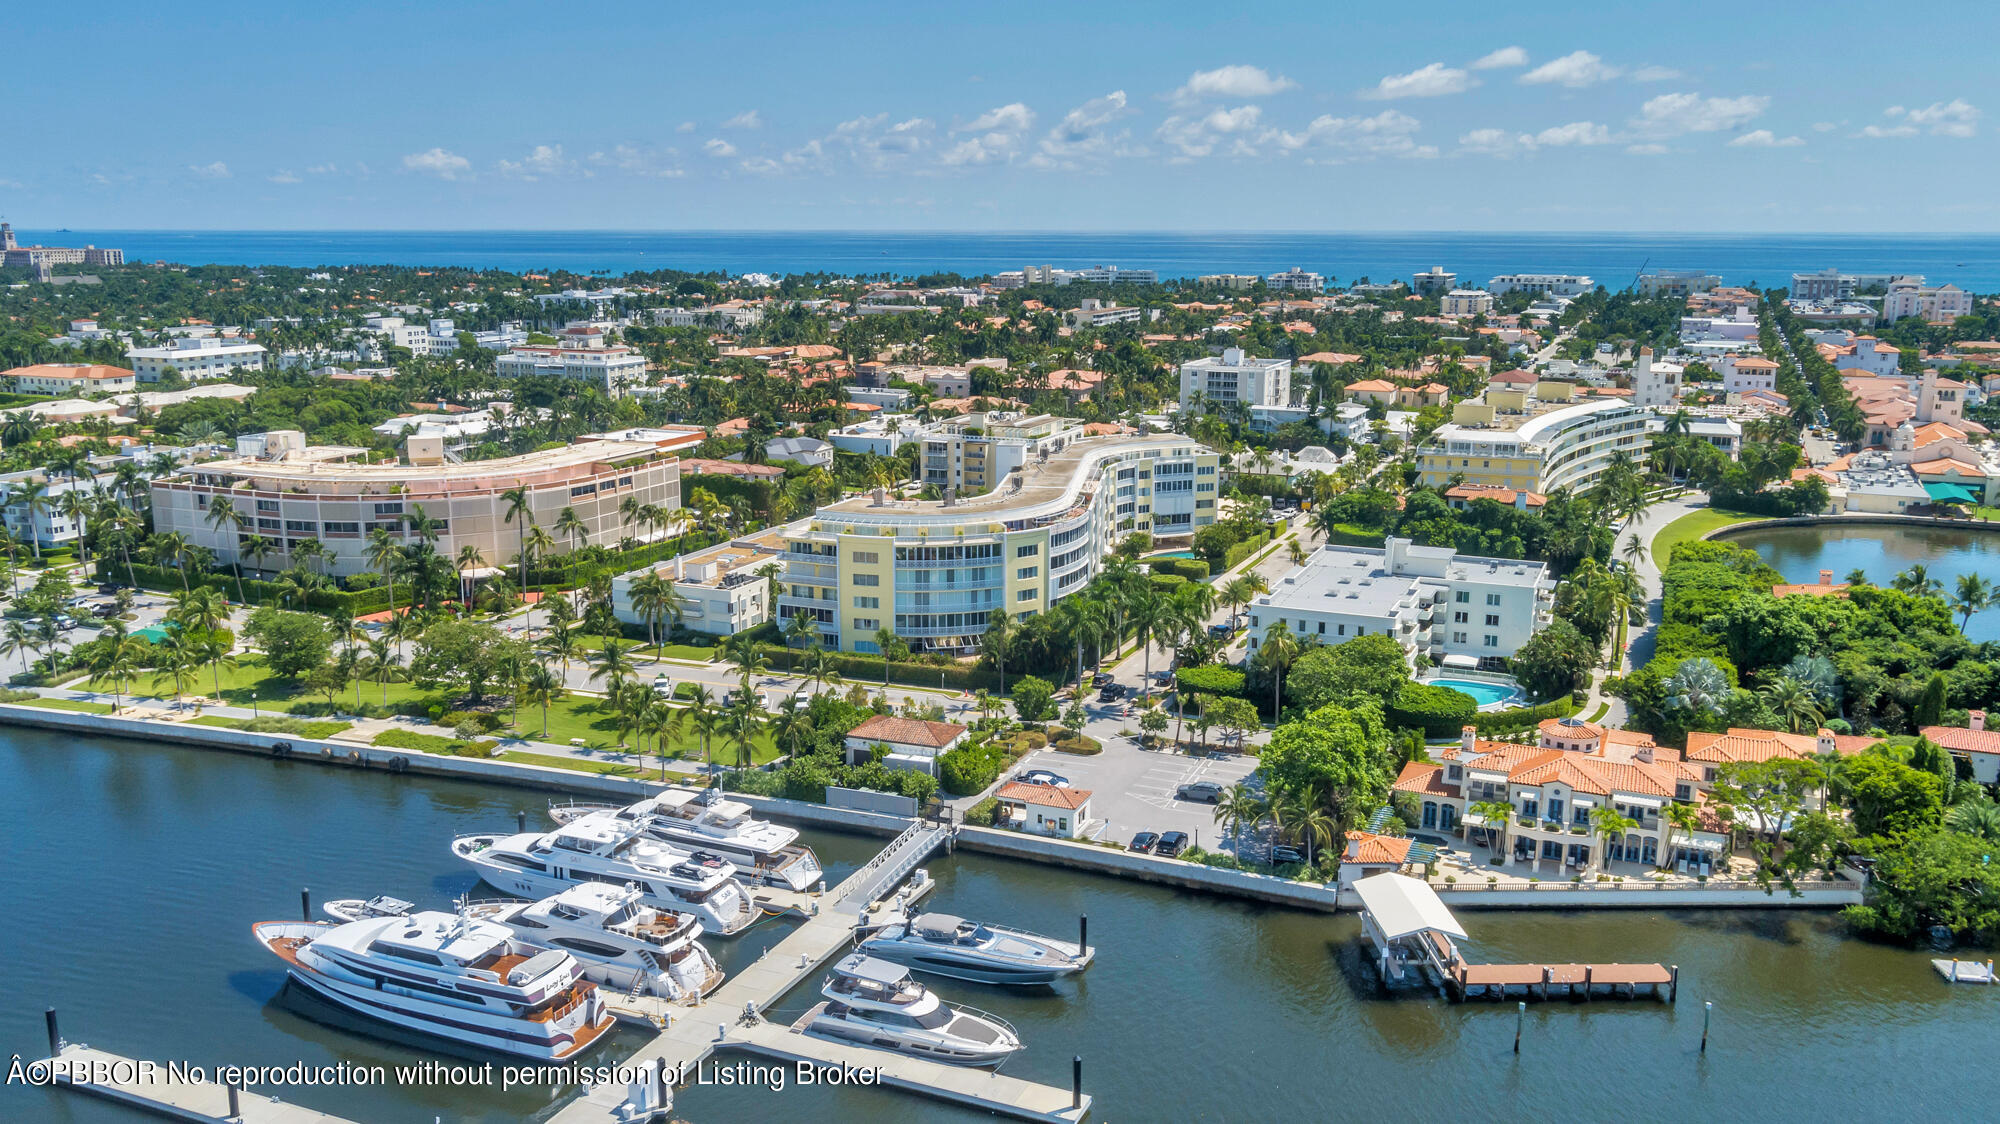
(1495, 693)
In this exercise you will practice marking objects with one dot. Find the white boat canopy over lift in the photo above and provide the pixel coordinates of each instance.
(1405, 921)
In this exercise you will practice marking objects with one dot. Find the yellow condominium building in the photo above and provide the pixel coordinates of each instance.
(287, 493)
(1540, 439)
(933, 571)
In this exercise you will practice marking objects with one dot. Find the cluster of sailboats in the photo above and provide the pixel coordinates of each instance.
(614, 901)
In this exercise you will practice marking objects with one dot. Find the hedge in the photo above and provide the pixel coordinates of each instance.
(1353, 534)
(1209, 679)
(351, 603)
(1521, 716)
(1234, 556)
(963, 772)
(1438, 711)
(1193, 569)
(432, 743)
(865, 669)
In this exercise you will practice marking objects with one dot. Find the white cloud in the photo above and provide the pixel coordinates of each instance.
(282, 176)
(1954, 118)
(542, 160)
(1574, 133)
(684, 127)
(1495, 142)
(1877, 132)
(1501, 59)
(1824, 126)
(322, 169)
(995, 136)
(1388, 133)
(1232, 82)
(872, 143)
(717, 147)
(1646, 149)
(1655, 74)
(215, 171)
(1575, 70)
(1674, 114)
(1189, 137)
(1084, 132)
(747, 119)
(1765, 138)
(1424, 82)
(438, 162)
(659, 163)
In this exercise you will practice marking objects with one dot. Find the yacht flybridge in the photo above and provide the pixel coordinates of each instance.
(602, 848)
(471, 982)
(944, 945)
(706, 820)
(624, 944)
(876, 1003)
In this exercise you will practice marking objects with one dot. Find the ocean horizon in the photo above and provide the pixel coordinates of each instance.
(1613, 260)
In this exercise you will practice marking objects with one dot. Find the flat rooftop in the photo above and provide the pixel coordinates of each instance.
(1059, 478)
(538, 462)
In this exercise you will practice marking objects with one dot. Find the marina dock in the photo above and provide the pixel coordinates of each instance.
(150, 1088)
(1543, 981)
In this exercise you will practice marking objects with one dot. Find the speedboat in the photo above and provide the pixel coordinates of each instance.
(876, 1003)
(704, 819)
(602, 848)
(472, 982)
(622, 942)
(944, 945)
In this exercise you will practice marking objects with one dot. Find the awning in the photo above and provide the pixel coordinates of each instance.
(1944, 491)
(1403, 906)
(1644, 801)
(1467, 662)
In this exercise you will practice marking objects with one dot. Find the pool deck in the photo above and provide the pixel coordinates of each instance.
(1515, 695)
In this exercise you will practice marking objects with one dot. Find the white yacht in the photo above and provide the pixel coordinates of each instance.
(623, 943)
(876, 1003)
(602, 848)
(944, 945)
(705, 820)
(469, 981)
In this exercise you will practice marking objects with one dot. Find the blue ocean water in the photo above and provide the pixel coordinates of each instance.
(1972, 261)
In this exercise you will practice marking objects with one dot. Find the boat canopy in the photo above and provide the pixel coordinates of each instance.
(869, 968)
(1403, 906)
(940, 924)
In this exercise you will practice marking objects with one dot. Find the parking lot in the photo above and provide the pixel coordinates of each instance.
(1132, 790)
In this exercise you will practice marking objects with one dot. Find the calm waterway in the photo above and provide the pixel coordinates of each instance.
(136, 870)
(1882, 551)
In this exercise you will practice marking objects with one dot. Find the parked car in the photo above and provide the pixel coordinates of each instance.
(1100, 679)
(1142, 843)
(66, 624)
(1044, 777)
(1112, 692)
(1201, 792)
(107, 589)
(106, 611)
(1286, 853)
(663, 686)
(1171, 844)
(1218, 631)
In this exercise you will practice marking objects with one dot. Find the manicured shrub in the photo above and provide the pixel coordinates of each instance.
(1209, 680)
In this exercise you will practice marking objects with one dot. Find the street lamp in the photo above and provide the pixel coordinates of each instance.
(253, 702)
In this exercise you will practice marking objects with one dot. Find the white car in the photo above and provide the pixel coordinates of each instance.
(1045, 778)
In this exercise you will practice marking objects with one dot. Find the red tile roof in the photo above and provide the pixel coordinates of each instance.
(906, 731)
(1046, 795)
(1368, 849)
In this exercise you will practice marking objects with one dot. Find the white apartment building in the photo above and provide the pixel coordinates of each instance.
(1744, 373)
(1676, 283)
(288, 493)
(1433, 281)
(1655, 384)
(974, 453)
(1296, 280)
(1111, 274)
(73, 379)
(934, 571)
(614, 367)
(196, 357)
(1233, 377)
(1457, 611)
(1740, 325)
(1096, 313)
(1551, 284)
(1465, 302)
(1908, 296)
(881, 435)
(720, 590)
(1541, 440)
(1234, 282)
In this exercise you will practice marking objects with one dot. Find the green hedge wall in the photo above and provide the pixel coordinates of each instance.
(1234, 556)
(1438, 711)
(855, 667)
(1521, 716)
(1193, 569)
(1210, 680)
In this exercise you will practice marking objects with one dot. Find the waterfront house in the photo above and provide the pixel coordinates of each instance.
(1368, 854)
(1972, 743)
(1041, 809)
(913, 743)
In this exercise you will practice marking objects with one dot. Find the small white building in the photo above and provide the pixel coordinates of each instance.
(1041, 809)
(1742, 374)
(1554, 284)
(196, 357)
(1296, 280)
(71, 379)
(913, 743)
(1465, 302)
(1234, 377)
(1096, 313)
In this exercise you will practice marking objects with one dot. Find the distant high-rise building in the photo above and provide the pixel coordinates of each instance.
(40, 258)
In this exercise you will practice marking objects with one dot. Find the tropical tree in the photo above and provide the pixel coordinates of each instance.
(823, 668)
(1697, 685)
(1610, 825)
(791, 723)
(651, 596)
(1275, 656)
(993, 644)
(1498, 817)
(32, 498)
(705, 718)
(1795, 703)
(744, 721)
(222, 514)
(541, 686)
(1681, 818)
(1237, 807)
(520, 512)
(1972, 594)
(571, 524)
(614, 664)
(384, 664)
(663, 721)
(115, 660)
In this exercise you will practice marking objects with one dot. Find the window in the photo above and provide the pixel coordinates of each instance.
(301, 526)
(1026, 572)
(1461, 618)
(868, 602)
(1492, 599)
(868, 579)
(1462, 597)
(866, 558)
(1028, 551)
(343, 528)
(1027, 595)
(1340, 630)
(1458, 637)
(1492, 620)
(867, 624)
(272, 505)
(1492, 641)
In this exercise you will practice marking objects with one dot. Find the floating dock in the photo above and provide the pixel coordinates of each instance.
(1965, 971)
(1579, 981)
(149, 1087)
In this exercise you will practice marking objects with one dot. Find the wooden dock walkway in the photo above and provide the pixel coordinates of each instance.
(149, 1087)
(1544, 981)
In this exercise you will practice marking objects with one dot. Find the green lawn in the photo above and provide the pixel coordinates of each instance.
(1692, 526)
(548, 761)
(306, 728)
(82, 705)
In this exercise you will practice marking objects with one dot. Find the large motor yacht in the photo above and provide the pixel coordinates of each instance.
(705, 820)
(876, 1003)
(469, 981)
(944, 945)
(624, 944)
(603, 848)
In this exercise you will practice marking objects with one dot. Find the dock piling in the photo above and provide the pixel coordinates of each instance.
(521, 819)
(1673, 983)
(55, 1035)
(1083, 934)
(1076, 1081)
(1707, 1009)
(1520, 1016)
(1586, 983)
(305, 903)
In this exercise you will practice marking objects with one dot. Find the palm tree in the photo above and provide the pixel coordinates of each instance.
(1794, 702)
(1973, 593)
(1499, 817)
(469, 559)
(176, 660)
(561, 642)
(1917, 580)
(1610, 824)
(705, 719)
(662, 720)
(1684, 818)
(571, 524)
(614, 665)
(791, 723)
(33, 498)
(383, 664)
(15, 640)
(1697, 685)
(115, 661)
(222, 513)
(742, 650)
(520, 513)
(993, 644)
(744, 720)
(1978, 817)
(257, 548)
(1238, 806)
(1275, 655)
(74, 506)
(651, 594)
(203, 612)
(1635, 551)
(886, 642)
(823, 668)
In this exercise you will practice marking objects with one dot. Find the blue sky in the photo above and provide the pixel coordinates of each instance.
(1024, 116)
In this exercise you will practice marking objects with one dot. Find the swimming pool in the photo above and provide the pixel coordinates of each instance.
(1173, 554)
(1483, 694)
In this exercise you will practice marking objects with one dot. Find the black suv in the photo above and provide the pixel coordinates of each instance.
(1171, 844)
